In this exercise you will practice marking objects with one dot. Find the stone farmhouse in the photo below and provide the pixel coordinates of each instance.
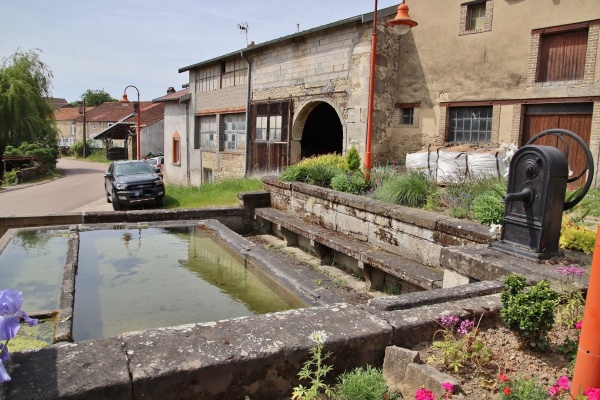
(477, 73)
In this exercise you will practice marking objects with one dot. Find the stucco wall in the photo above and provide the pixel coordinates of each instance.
(153, 139)
(175, 122)
(438, 65)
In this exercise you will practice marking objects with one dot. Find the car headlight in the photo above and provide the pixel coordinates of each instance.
(120, 186)
(158, 182)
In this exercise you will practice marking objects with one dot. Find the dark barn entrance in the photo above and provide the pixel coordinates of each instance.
(323, 133)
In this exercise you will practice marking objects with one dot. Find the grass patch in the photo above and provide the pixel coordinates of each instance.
(222, 193)
(94, 156)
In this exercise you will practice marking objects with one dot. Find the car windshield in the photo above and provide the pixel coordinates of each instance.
(133, 168)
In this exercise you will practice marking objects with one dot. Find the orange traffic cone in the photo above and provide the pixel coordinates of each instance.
(587, 365)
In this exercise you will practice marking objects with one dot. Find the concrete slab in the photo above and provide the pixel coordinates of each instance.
(256, 356)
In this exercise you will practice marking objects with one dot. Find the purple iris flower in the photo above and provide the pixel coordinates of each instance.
(10, 304)
(10, 322)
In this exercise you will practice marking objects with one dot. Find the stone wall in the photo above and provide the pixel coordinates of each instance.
(414, 234)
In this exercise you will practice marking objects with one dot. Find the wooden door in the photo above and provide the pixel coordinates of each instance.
(574, 117)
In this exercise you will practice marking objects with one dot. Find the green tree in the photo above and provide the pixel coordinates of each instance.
(25, 113)
(94, 98)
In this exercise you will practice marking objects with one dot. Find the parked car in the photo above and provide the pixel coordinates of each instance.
(133, 182)
(157, 163)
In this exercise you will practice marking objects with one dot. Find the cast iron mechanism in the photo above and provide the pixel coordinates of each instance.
(535, 199)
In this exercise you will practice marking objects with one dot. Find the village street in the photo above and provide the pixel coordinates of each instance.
(79, 189)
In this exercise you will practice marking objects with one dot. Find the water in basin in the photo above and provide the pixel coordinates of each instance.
(135, 279)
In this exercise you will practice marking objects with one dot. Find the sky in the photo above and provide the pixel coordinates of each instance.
(108, 44)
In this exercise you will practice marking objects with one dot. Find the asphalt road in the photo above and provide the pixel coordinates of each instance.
(81, 188)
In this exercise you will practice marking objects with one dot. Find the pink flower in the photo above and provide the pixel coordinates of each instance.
(578, 325)
(563, 383)
(507, 391)
(424, 394)
(592, 393)
(554, 391)
(447, 386)
(503, 378)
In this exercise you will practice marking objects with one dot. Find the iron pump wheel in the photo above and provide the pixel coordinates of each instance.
(589, 164)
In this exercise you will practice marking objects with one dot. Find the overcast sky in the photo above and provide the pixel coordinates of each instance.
(109, 44)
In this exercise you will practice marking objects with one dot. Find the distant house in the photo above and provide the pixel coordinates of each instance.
(70, 128)
(115, 124)
(477, 73)
(59, 103)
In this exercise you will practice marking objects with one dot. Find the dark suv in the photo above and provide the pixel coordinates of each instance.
(133, 182)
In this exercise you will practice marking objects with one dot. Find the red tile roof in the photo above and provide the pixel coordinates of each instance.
(150, 115)
(111, 111)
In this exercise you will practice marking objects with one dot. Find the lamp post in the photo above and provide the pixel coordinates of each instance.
(136, 110)
(81, 107)
(401, 24)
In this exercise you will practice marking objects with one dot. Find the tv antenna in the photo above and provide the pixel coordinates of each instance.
(243, 27)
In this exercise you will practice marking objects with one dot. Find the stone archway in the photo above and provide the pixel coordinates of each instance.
(317, 129)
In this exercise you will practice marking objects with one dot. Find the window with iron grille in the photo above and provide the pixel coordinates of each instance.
(234, 131)
(208, 132)
(407, 116)
(562, 56)
(470, 125)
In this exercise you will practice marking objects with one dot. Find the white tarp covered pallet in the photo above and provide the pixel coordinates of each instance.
(448, 166)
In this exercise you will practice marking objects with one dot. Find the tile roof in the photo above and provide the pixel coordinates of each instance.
(111, 111)
(172, 96)
(150, 115)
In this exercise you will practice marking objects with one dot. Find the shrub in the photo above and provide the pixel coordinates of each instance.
(488, 209)
(47, 155)
(521, 388)
(576, 236)
(353, 160)
(77, 148)
(10, 178)
(349, 183)
(321, 175)
(458, 346)
(361, 384)
(410, 189)
(315, 170)
(530, 313)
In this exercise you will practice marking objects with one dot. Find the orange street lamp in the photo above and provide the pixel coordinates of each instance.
(136, 110)
(401, 24)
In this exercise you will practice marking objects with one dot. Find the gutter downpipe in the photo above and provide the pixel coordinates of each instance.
(187, 139)
(248, 87)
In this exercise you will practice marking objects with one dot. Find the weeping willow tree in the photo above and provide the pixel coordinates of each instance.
(25, 112)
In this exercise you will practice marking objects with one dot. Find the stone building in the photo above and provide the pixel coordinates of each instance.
(476, 73)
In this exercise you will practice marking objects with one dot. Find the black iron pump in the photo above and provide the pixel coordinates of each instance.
(535, 199)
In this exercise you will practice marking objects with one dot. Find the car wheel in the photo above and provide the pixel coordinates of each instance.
(160, 202)
(116, 205)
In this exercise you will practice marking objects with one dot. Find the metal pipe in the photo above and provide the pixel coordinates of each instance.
(368, 155)
(248, 96)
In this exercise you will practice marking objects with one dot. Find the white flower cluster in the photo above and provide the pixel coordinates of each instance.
(318, 337)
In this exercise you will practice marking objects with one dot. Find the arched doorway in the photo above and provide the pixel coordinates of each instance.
(322, 132)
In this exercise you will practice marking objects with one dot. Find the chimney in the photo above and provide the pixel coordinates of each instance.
(170, 90)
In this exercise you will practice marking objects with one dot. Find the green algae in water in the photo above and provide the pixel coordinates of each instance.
(136, 279)
(33, 337)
